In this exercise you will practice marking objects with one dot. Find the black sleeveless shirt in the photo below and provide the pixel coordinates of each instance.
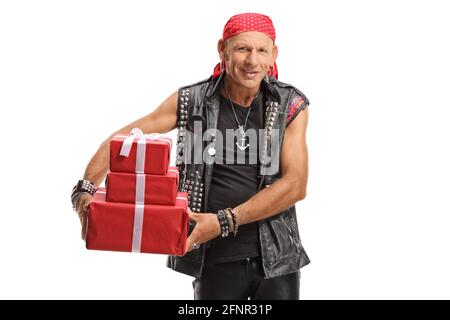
(234, 183)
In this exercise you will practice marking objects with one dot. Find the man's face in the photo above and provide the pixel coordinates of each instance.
(248, 57)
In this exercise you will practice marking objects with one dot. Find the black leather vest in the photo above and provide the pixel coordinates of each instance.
(281, 248)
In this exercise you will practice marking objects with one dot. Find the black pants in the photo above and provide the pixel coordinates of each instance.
(242, 280)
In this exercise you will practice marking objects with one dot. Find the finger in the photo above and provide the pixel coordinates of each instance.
(78, 206)
(83, 232)
(193, 215)
(188, 245)
(189, 242)
(84, 227)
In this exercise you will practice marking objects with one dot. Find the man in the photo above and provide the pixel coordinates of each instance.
(244, 240)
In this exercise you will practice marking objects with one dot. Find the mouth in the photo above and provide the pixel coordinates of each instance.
(250, 74)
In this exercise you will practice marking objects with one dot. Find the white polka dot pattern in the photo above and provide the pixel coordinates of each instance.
(249, 22)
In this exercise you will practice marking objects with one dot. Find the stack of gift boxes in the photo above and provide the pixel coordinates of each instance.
(140, 210)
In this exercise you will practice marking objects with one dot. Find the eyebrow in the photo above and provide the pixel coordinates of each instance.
(242, 44)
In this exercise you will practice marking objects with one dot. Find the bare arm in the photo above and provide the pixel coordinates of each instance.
(162, 120)
(291, 187)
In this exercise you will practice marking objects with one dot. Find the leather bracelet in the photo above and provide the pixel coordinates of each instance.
(83, 186)
(75, 198)
(235, 223)
(229, 219)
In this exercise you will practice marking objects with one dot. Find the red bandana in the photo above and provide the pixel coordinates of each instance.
(248, 22)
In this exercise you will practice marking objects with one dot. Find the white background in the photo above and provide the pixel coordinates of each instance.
(376, 218)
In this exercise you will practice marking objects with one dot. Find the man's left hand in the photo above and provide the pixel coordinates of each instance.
(207, 228)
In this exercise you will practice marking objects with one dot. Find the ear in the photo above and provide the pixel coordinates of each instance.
(274, 53)
(221, 49)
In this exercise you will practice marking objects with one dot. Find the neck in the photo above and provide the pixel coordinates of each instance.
(238, 94)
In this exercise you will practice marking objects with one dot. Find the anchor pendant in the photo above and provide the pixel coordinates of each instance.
(241, 146)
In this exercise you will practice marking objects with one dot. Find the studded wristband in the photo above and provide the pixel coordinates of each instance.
(221, 215)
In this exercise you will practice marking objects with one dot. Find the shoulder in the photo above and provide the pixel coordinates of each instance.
(291, 90)
(202, 83)
(294, 99)
(195, 92)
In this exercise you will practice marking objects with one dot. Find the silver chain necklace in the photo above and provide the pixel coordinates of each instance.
(241, 128)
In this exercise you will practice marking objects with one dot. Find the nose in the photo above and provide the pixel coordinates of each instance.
(251, 57)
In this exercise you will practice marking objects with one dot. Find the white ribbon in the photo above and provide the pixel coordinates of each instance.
(137, 227)
(183, 198)
(176, 171)
(137, 133)
(138, 212)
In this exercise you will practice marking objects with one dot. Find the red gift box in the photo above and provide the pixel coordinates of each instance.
(157, 189)
(154, 158)
(114, 226)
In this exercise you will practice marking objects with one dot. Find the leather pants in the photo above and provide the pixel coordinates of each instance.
(243, 280)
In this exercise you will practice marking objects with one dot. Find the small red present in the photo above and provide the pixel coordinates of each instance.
(140, 153)
(115, 226)
(143, 188)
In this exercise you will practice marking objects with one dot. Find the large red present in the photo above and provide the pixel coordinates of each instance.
(142, 188)
(115, 226)
(140, 153)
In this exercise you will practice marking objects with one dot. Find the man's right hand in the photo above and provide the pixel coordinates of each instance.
(82, 209)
